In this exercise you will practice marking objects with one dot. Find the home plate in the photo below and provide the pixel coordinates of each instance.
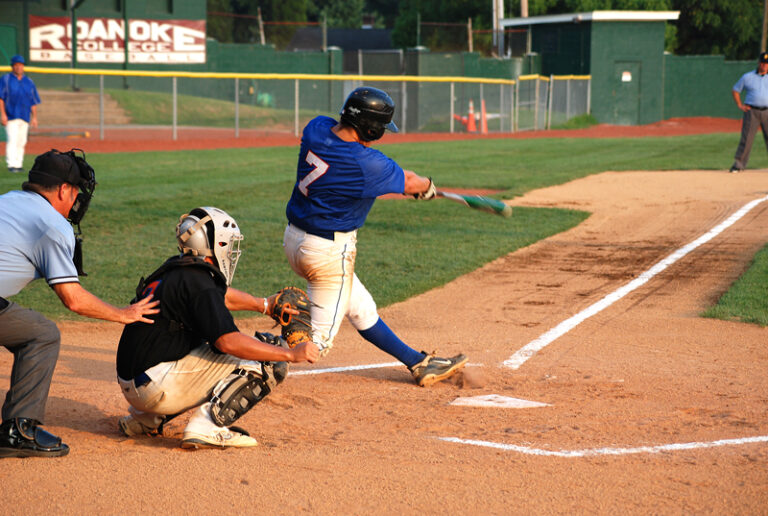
(496, 401)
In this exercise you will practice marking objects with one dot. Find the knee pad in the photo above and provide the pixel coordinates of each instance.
(236, 395)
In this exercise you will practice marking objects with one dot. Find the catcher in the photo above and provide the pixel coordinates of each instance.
(193, 356)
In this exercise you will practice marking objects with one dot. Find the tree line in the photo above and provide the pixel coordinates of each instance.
(705, 27)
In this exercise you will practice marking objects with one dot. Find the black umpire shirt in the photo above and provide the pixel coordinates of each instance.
(192, 312)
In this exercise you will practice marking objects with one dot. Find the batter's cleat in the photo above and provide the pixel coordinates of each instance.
(23, 437)
(434, 369)
(734, 170)
(221, 437)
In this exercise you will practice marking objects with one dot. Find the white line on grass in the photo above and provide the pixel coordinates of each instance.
(591, 452)
(530, 349)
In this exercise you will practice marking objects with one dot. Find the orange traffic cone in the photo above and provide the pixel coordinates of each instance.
(483, 118)
(471, 125)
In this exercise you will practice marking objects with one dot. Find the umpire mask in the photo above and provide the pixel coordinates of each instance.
(211, 232)
(55, 167)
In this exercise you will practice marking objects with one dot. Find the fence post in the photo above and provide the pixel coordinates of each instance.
(175, 114)
(568, 99)
(501, 108)
(516, 106)
(237, 107)
(101, 107)
(589, 95)
(359, 62)
(549, 100)
(536, 105)
(453, 90)
(403, 109)
(296, 107)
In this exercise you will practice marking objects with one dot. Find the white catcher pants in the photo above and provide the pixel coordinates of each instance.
(332, 285)
(181, 385)
(16, 131)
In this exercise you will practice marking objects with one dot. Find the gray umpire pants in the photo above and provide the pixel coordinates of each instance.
(752, 120)
(34, 342)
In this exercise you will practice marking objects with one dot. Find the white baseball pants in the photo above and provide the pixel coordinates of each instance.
(16, 131)
(181, 385)
(332, 285)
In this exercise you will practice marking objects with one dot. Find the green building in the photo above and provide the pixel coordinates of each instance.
(623, 51)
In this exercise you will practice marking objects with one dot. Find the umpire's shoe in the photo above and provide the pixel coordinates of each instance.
(23, 437)
(434, 369)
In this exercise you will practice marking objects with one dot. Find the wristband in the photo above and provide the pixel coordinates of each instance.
(266, 306)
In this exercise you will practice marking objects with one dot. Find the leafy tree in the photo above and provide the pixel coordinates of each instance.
(446, 11)
(220, 28)
(730, 28)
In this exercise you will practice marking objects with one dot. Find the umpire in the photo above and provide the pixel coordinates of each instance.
(37, 241)
(755, 108)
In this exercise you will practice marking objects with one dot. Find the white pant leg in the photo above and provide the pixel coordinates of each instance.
(16, 131)
(186, 383)
(362, 311)
(329, 268)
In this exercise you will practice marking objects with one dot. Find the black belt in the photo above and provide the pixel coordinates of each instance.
(4, 303)
(141, 380)
(328, 235)
(758, 107)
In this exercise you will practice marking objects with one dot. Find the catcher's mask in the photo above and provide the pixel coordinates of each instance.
(210, 232)
(369, 111)
(55, 167)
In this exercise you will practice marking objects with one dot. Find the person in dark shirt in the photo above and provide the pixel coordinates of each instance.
(194, 356)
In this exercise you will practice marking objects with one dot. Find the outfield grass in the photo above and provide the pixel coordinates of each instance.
(154, 108)
(406, 247)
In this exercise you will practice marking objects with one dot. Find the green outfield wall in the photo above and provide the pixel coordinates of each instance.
(701, 85)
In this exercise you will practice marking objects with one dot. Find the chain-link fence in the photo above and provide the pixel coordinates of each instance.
(286, 102)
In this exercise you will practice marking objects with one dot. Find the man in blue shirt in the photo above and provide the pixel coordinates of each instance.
(755, 108)
(18, 110)
(337, 181)
(37, 241)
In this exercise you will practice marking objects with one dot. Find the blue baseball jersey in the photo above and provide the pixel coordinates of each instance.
(36, 241)
(19, 95)
(337, 182)
(756, 86)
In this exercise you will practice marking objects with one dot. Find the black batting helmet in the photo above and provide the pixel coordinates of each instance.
(369, 111)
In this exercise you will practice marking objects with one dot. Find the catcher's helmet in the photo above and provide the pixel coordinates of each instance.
(211, 232)
(369, 111)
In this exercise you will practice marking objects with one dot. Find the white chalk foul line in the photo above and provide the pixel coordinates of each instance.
(530, 349)
(607, 451)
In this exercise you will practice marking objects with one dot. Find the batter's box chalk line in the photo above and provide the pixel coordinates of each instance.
(594, 452)
(536, 345)
(355, 368)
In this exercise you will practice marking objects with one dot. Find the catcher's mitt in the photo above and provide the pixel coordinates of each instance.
(295, 329)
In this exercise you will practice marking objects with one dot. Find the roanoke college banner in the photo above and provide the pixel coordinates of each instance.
(102, 40)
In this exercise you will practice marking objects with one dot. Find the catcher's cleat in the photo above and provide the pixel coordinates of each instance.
(434, 369)
(221, 437)
(132, 427)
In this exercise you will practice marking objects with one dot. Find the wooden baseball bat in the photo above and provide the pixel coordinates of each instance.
(478, 202)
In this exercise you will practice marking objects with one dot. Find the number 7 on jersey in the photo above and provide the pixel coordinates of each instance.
(321, 167)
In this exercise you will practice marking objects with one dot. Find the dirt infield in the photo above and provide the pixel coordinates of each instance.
(650, 408)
